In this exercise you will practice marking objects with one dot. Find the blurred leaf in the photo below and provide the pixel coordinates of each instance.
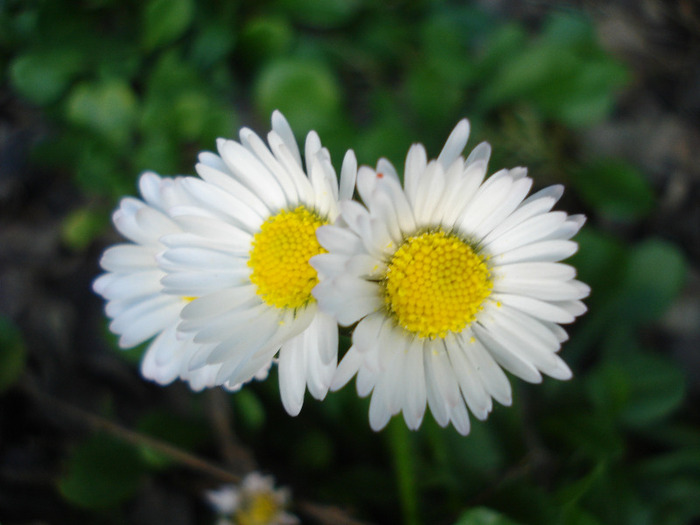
(653, 279)
(504, 42)
(314, 450)
(588, 96)
(157, 152)
(632, 385)
(212, 43)
(321, 13)
(13, 353)
(107, 107)
(525, 500)
(265, 37)
(431, 96)
(306, 92)
(81, 227)
(575, 515)
(656, 388)
(564, 73)
(680, 461)
(445, 51)
(525, 72)
(174, 430)
(98, 169)
(590, 434)
(249, 409)
(42, 76)
(165, 20)
(600, 261)
(101, 472)
(615, 189)
(570, 495)
(483, 516)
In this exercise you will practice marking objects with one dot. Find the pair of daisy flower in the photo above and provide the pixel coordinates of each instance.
(449, 278)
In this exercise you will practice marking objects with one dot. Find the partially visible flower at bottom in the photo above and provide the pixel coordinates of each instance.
(254, 501)
(131, 284)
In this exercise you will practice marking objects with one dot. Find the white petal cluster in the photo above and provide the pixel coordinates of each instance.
(254, 500)
(517, 328)
(192, 237)
(210, 261)
(132, 286)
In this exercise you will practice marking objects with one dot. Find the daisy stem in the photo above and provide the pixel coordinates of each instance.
(403, 452)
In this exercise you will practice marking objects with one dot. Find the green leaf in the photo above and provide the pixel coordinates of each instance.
(570, 495)
(265, 37)
(42, 76)
(321, 13)
(306, 92)
(81, 227)
(656, 388)
(483, 516)
(249, 409)
(165, 20)
(101, 472)
(13, 354)
(600, 261)
(174, 430)
(615, 189)
(107, 107)
(653, 279)
(213, 43)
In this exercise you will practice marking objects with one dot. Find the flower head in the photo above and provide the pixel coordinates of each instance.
(243, 254)
(452, 279)
(131, 284)
(254, 502)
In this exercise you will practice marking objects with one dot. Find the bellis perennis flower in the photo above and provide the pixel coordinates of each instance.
(136, 302)
(255, 501)
(451, 278)
(242, 259)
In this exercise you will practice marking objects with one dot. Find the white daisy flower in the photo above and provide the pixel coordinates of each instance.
(136, 303)
(255, 501)
(451, 278)
(244, 254)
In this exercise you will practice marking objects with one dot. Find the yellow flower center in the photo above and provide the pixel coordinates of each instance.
(280, 257)
(436, 283)
(259, 509)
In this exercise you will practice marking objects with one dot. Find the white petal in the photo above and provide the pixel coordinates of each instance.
(292, 376)
(347, 368)
(348, 176)
(128, 257)
(509, 360)
(455, 144)
(281, 126)
(416, 162)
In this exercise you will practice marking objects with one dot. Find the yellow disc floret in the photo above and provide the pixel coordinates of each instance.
(436, 283)
(280, 257)
(258, 509)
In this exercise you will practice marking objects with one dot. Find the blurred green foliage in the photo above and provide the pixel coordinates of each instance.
(133, 86)
(13, 354)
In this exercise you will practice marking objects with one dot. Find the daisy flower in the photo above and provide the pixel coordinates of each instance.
(136, 303)
(255, 501)
(452, 278)
(244, 255)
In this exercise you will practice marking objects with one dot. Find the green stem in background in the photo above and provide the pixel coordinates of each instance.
(403, 454)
